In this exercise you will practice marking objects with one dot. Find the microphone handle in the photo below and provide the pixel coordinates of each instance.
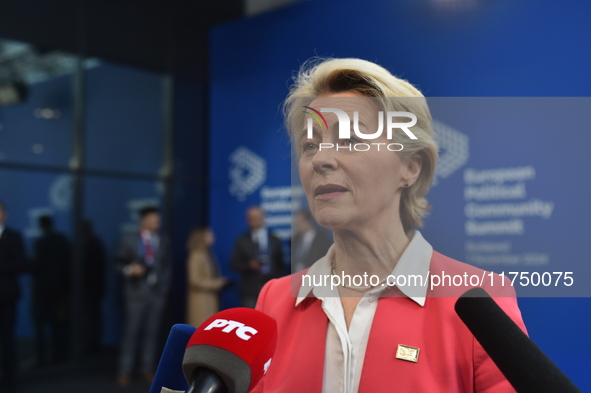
(206, 381)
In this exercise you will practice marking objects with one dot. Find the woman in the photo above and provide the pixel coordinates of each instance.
(204, 281)
(370, 336)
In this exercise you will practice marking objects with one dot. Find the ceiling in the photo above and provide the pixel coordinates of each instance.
(162, 36)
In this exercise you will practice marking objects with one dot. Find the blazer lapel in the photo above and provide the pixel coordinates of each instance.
(303, 341)
(396, 321)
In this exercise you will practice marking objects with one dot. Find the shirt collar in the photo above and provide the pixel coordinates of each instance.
(1, 229)
(309, 233)
(414, 261)
(147, 235)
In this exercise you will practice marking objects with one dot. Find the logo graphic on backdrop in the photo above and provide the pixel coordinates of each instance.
(248, 171)
(454, 150)
(60, 193)
(345, 127)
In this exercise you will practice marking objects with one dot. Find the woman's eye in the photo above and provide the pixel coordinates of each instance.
(350, 141)
(308, 147)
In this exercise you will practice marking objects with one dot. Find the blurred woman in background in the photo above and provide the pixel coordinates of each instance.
(203, 274)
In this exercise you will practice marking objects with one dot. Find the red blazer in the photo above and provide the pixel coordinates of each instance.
(450, 358)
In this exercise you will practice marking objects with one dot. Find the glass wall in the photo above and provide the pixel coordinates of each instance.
(91, 140)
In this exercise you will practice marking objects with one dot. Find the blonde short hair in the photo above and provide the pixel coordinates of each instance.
(319, 77)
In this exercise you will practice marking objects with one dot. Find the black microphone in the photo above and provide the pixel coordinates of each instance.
(524, 365)
(205, 380)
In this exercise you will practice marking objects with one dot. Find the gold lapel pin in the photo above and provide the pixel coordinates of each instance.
(404, 352)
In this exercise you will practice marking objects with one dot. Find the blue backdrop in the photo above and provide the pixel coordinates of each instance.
(489, 49)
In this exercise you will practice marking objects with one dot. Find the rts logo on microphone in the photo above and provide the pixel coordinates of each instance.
(242, 331)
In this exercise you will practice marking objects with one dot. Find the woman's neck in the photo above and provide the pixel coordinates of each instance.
(372, 250)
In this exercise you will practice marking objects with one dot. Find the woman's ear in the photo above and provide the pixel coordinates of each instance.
(413, 169)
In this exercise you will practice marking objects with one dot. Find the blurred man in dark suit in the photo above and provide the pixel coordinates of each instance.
(310, 243)
(257, 256)
(94, 284)
(144, 260)
(12, 263)
(51, 291)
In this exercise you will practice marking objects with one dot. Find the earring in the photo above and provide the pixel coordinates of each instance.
(405, 184)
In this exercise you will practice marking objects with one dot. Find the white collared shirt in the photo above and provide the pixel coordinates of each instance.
(151, 237)
(154, 241)
(260, 237)
(345, 349)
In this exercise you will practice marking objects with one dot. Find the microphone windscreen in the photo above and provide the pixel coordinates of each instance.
(524, 365)
(169, 374)
(237, 344)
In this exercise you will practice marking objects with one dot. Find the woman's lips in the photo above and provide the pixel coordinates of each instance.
(329, 191)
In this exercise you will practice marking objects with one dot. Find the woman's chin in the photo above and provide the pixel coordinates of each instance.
(333, 219)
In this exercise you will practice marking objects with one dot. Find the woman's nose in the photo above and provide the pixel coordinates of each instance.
(325, 158)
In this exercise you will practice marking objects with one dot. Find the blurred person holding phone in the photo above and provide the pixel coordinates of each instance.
(143, 258)
(257, 256)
